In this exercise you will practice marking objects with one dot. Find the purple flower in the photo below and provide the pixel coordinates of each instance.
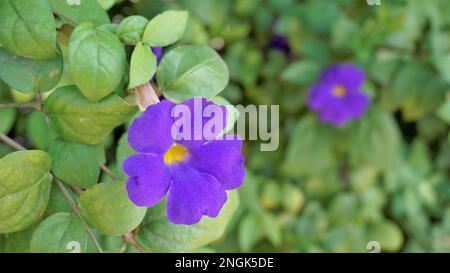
(158, 51)
(337, 95)
(194, 171)
(281, 43)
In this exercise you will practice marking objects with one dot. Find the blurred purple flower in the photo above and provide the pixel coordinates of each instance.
(194, 171)
(280, 42)
(337, 95)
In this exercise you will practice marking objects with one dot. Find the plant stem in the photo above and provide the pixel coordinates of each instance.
(108, 171)
(64, 191)
(11, 143)
(129, 238)
(77, 211)
(36, 105)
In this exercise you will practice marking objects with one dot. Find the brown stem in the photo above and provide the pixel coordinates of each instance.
(36, 105)
(108, 171)
(11, 143)
(129, 238)
(77, 211)
(64, 191)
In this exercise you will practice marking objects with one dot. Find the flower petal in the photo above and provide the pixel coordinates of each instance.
(222, 159)
(349, 75)
(199, 120)
(148, 179)
(192, 195)
(320, 96)
(151, 132)
(357, 103)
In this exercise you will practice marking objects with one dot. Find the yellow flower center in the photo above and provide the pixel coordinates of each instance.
(176, 153)
(339, 91)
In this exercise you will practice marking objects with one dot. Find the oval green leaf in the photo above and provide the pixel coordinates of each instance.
(39, 131)
(143, 66)
(28, 75)
(77, 164)
(61, 233)
(107, 207)
(80, 120)
(28, 28)
(97, 61)
(192, 71)
(166, 28)
(8, 117)
(132, 28)
(86, 11)
(25, 182)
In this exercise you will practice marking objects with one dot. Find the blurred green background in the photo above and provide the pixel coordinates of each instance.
(383, 178)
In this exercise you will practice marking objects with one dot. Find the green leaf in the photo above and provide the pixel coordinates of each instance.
(77, 164)
(232, 113)
(388, 234)
(250, 67)
(159, 235)
(310, 150)
(58, 202)
(301, 72)
(166, 28)
(19, 242)
(80, 120)
(443, 112)
(97, 61)
(28, 28)
(107, 4)
(39, 131)
(375, 140)
(271, 228)
(61, 233)
(143, 65)
(28, 75)
(132, 28)
(192, 71)
(250, 232)
(107, 207)
(124, 150)
(25, 181)
(87, 11)
(7, 117)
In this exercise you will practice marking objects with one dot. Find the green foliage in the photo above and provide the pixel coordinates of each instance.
(28, 28)
(97, 61)
(106, 207)
(39, 131)
(190, 71)
(132, 28)
(25, 189)
(87, 11)
(7, 116)
(159, 235)
(142, 66)
(56, 233)
(78, 119)
(77, 164)
(29, 75)
(161, 30)
(383, 177)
